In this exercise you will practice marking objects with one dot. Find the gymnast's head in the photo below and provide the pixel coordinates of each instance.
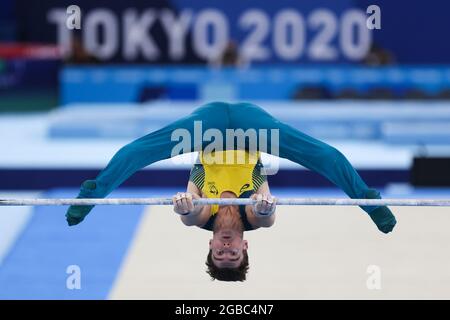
(227, 258)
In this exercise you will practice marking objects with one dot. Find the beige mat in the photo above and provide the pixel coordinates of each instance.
(310, 253)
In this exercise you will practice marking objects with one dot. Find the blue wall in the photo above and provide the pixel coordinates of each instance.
(137, 84)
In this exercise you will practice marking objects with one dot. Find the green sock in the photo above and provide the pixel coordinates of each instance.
(382, 216)
(76, 214)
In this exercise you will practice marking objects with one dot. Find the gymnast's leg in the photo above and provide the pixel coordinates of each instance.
(314, 155)
(144, 151)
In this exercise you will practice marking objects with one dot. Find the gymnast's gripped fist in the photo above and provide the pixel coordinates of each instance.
(265, 204)
(183, 205)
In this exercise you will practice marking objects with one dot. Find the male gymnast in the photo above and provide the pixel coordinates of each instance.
(227, 258)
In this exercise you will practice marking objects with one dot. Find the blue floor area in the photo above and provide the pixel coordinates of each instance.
(36, 266)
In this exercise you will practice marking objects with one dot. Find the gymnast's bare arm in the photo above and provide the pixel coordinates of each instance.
(191, 215)
(263, 213)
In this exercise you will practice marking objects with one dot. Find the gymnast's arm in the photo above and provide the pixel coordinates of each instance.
(191, 215)
(263, 214)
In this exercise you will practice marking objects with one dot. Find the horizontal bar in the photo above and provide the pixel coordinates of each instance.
(228, 201)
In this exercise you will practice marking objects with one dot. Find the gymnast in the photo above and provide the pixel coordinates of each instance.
(243, 177)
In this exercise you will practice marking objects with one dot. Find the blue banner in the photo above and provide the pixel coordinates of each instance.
(181, 31)
(257, 31)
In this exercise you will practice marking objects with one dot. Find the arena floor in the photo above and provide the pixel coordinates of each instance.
(137, 252)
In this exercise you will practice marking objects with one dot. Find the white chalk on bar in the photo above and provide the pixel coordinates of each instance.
(229, 201)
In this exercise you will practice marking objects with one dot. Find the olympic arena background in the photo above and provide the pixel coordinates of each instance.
(70, 98)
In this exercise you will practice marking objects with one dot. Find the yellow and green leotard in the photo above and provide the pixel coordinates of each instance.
(236, 171)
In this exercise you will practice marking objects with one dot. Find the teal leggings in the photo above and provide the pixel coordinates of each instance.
(293, 145)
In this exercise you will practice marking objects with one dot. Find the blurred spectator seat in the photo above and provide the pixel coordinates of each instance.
(312, 93)
(416, 94)
(348, 93)
(171, 92)
(443, 94)
(380, 93)
(378, 56)
(151, 93)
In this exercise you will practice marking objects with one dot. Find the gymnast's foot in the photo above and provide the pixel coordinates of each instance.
(382, 216)
(76, 214)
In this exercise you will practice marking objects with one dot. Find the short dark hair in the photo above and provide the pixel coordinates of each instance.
(227, 274)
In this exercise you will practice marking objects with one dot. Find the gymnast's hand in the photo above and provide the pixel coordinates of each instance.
(265, 204)
(76, 214)
(183, 205)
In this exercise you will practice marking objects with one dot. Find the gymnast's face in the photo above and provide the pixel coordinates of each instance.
(227, 248)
